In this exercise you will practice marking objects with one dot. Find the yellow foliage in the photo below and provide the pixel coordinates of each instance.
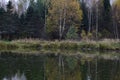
(117, 3)
(66, 9)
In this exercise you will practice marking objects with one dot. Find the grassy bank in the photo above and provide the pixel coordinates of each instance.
(37, 45)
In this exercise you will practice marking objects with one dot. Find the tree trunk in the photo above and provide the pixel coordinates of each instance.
(64, 18)
(96, 21)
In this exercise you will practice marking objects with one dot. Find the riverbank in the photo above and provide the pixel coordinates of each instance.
(38, 45)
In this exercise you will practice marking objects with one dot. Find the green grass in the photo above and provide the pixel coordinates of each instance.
(37, 45)
(8, 46)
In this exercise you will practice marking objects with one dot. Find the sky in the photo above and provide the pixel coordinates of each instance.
(111, 1)
(89, 2)
(25, 5)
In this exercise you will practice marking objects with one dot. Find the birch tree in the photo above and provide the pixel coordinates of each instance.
(116, 17)
(62, 14)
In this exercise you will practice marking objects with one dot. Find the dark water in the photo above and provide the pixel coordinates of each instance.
(58, 67)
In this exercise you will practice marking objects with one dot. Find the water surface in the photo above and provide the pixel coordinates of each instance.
(15, 66)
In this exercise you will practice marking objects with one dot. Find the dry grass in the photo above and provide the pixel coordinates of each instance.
(36, 44)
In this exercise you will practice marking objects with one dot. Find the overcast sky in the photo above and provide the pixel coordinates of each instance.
(111, 1)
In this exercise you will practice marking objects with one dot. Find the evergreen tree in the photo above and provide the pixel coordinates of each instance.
(72, 33)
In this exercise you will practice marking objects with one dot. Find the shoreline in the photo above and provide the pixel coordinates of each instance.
(83, 55)
(38, 45)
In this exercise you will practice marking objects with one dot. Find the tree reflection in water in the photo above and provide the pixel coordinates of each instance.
(59, 67)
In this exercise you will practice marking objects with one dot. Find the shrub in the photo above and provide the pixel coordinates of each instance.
(8, 46)
(88, 45)
(51, 45)
(72, 33)
(106, 46)
(12, 46)
(84, 35)
(3, 45)
(68, 46)
(32, 46)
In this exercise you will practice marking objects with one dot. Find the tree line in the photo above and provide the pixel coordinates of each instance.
(60, 19)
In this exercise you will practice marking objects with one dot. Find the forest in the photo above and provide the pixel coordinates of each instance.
(59, 19)
(59, 39)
